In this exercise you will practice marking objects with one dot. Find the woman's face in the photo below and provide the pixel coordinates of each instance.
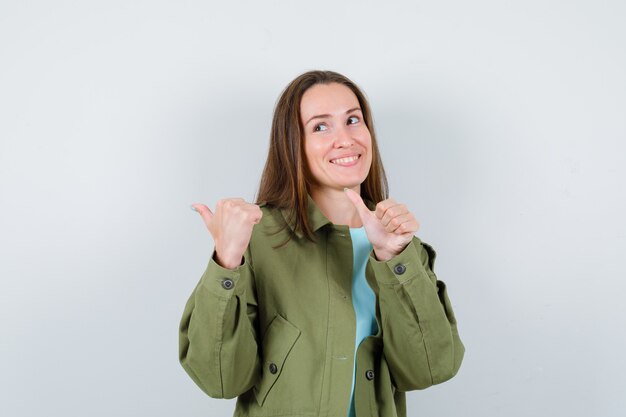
(337, 143)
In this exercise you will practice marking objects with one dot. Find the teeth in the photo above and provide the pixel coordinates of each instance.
(345, 160)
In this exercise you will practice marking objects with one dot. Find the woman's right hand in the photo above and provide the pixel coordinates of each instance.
(231, 228)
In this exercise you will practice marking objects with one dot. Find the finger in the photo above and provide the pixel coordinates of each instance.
(254, 212)
(360, 206)
(205, 213)
(394, 211)
(229, 203)
(397, 221)
(383, 206)
(408, 227)
(239, 207)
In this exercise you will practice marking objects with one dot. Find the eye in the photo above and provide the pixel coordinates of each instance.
(356, 119)
(316, 128)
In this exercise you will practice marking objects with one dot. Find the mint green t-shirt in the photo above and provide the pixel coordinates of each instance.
(363, 298)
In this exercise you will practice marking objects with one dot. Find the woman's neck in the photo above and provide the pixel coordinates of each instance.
(336, 206)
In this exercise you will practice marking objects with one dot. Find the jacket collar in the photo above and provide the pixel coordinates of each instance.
(317, 219)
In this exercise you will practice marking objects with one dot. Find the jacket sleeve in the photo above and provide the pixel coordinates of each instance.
(217, 334)
(421, 342)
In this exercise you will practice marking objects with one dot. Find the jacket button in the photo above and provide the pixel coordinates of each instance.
(399, 269)
(228, 283)
(273, 368)
(369, 374)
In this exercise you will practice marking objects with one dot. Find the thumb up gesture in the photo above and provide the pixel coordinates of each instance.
(231, 227)
(390, 228)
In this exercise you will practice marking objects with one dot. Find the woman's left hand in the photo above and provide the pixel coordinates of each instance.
(390, 228)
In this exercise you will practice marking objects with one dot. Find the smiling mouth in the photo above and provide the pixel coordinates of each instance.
(349, 160)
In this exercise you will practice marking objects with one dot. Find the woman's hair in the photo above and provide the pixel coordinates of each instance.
(286, 179)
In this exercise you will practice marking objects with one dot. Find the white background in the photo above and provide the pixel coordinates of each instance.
(501, 124)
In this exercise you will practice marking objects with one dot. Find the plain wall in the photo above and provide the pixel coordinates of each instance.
(501, 125)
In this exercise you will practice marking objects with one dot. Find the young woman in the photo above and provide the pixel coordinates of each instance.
(319, 300)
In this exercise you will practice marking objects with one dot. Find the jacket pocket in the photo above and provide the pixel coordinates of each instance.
(278, 340)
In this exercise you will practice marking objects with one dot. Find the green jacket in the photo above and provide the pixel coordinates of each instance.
(278, 332)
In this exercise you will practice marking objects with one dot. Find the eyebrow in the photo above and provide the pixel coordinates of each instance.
(321, 116)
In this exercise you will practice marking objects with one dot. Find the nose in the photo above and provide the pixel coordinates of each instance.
(344, 138)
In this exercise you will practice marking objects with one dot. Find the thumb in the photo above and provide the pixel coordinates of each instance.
(205, 213)
(360, 206)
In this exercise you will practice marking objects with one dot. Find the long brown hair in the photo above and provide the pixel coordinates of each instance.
(285, 182)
